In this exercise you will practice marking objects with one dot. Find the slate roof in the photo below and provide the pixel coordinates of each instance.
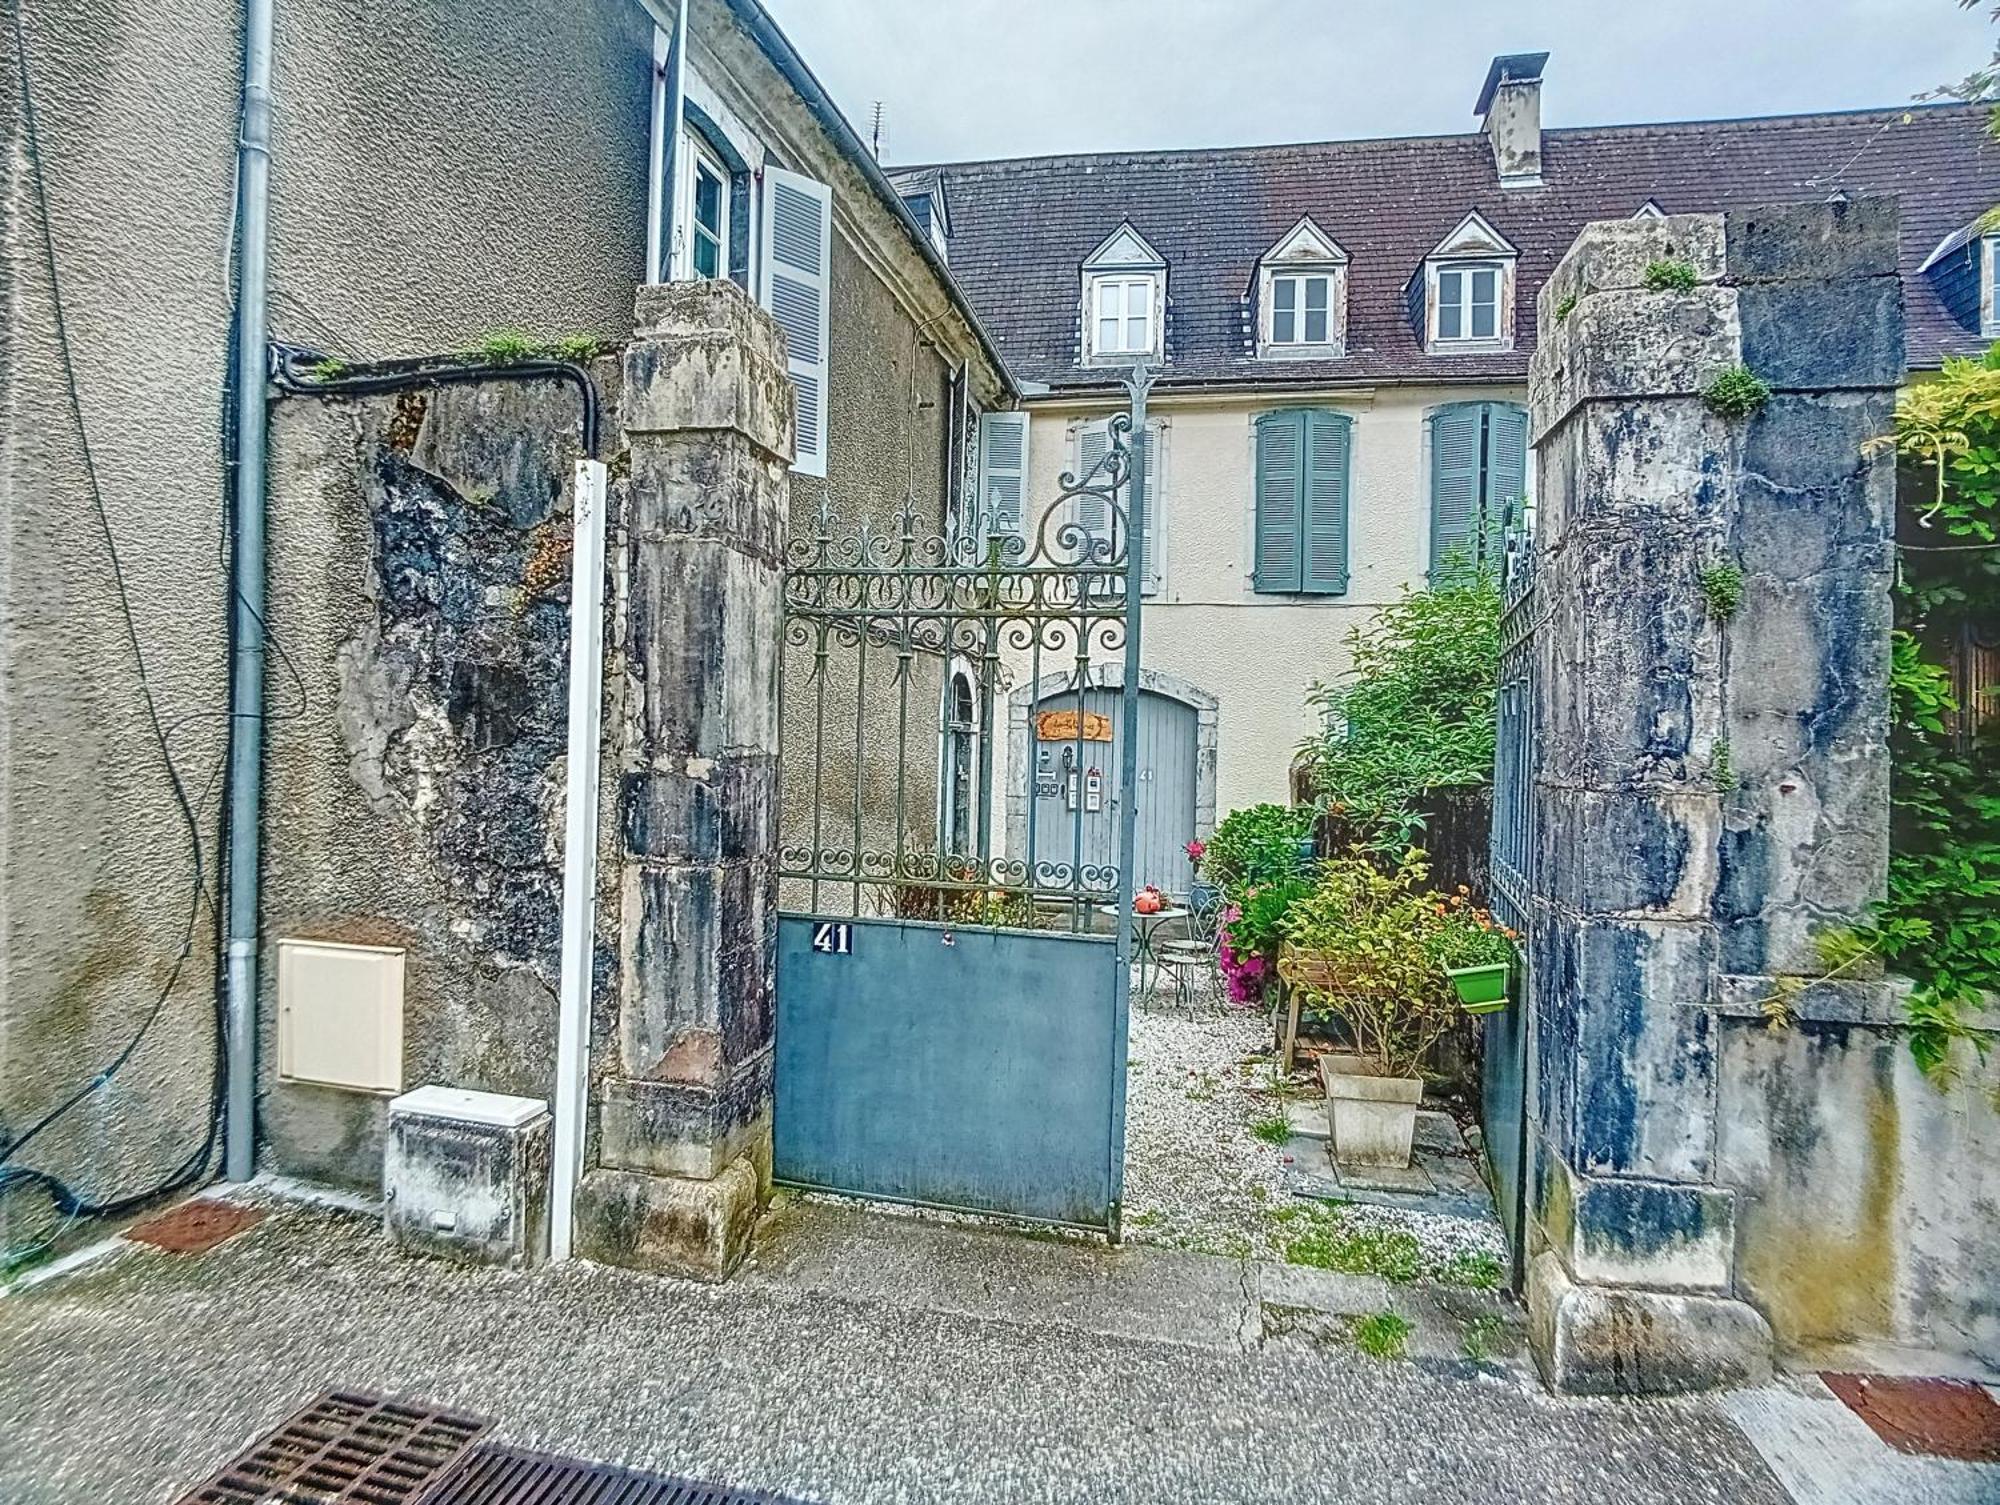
(1021, 228)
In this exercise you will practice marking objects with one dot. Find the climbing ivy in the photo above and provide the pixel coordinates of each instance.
(1941, 922)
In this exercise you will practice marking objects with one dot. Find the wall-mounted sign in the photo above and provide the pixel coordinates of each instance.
(1060, 726)
(833, 938)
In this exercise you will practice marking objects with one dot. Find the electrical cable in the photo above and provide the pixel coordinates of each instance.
(66, 1198)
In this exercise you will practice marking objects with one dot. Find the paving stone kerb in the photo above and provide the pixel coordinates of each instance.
(682, 1100)
(1713, 787)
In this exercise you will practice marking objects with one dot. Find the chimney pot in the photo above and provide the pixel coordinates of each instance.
(1510, 115)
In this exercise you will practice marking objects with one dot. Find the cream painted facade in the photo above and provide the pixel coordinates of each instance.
(1257, 655)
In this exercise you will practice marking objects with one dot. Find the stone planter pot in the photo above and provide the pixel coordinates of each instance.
(1481, 989)
(1374, 1118)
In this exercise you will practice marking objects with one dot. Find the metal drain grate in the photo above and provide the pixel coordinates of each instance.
(344, 1447)
(496, 1475)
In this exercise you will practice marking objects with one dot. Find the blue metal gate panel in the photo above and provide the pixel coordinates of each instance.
(973, 1069)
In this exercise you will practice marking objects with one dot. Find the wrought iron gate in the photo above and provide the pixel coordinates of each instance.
(1509, 1033)
(952, 1015)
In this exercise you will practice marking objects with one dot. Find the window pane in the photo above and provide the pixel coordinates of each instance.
(707, 254)
(708, 200)
(1451, 292)
(1137, 334)
(1485, 304)
(1107, 334)
(1316, 293)
(1284, 310)
(1315, 325)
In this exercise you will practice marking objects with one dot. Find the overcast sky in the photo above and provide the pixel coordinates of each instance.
(964, 79)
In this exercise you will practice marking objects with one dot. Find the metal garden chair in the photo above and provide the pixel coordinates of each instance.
(1191, 961)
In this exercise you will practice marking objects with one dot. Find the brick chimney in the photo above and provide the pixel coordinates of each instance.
(1510, 115)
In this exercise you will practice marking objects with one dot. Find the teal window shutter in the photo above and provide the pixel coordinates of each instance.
(1277, 565)
(1329, 443)
(1506, 473)
(1457, 451)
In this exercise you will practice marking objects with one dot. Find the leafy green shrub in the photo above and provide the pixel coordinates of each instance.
(1671, 276)
(1255, 845)
(1736, 393)
(1415, 712)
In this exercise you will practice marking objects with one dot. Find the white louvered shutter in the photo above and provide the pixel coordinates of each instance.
(1092, 441)
(1003, 472)
(1149, 447)
(798, 277)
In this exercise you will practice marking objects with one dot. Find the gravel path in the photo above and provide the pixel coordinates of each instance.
(1196, 1175)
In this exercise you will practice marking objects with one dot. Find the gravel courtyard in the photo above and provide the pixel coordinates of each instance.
(1198, 1177)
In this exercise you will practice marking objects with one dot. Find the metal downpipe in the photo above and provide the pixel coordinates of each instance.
(246, 689)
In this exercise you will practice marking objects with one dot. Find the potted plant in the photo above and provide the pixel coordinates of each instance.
(1356, 948)
(1474, 951)
(1203, 895)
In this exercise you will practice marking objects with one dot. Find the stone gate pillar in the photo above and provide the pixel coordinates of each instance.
(1712, 718)
(683, 1087)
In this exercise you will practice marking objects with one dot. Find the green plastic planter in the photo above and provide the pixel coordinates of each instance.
(1483, 989)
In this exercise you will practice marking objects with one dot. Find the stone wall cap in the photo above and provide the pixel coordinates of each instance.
(493, 1110)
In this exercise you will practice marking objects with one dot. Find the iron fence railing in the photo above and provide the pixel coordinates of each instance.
(899, 645)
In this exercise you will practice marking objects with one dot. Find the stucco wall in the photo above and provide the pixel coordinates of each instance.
(1257, 654)
(97, 881)
(442, 169)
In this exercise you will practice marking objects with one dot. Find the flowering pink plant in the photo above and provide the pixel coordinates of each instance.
(1195, 850)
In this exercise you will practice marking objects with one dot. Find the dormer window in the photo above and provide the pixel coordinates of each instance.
(1468, 302)
(1469, 291)
(1124, 300)
(1302, 296)
(1124, 315)
(1961, 272)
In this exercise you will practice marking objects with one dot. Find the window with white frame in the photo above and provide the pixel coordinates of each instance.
(1122, 315)
(701, 249)
(1468, 302)
(1301, 308)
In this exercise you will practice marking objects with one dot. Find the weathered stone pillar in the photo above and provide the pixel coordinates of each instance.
(1712, 717)
(683, 1101)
